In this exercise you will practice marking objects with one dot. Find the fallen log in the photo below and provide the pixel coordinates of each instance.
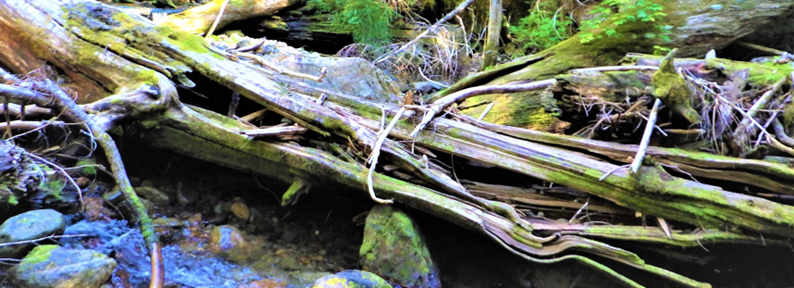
(135, 65)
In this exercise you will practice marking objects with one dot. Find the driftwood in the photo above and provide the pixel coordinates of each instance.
(130, 68)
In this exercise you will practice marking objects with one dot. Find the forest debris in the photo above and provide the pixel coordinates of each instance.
(646, 137)
(257, 114)
(275, 131)
(669, 86)
(745, 128)
(217, 19)
(438, 23)
(51, 96)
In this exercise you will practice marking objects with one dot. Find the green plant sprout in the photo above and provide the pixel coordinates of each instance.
(542, 28)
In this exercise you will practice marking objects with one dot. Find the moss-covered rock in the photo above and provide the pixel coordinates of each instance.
(394, 248)
(351, 279)
(28, 226)
(51, 266)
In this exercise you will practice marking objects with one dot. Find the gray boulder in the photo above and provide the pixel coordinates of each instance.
(27, 226)
(51, 266)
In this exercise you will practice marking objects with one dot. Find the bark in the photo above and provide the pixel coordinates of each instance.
(494, 33)
(128, 60)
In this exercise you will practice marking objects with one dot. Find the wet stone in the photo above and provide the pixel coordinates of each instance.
(240, 211)
(82, 182)
(154, 195)
(168, 222)
(185, 196)
(51, 266)
(226, 237)
(30, 225)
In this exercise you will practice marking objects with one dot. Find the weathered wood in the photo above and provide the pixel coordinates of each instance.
(154, 56)
(199, 19)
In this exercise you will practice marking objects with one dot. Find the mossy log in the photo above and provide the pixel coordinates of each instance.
(696, 27)
(133, 65)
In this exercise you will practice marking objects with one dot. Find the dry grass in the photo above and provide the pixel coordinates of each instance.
(444, 55)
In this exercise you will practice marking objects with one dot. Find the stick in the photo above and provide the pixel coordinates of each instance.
(646, 137)
(373, 158)
(217, 20)
(485, 112)
(616, 68)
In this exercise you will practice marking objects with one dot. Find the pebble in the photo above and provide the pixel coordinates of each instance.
(153, 194)
(241, 211)
(82, 182)
(226, 237)
(185, 196)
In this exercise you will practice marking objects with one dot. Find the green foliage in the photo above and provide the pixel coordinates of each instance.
(542, 28)
(630, 12)
(368, 20)
(661, 50)
(87, 167)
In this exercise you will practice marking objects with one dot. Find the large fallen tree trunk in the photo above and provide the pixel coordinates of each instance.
(130, 67)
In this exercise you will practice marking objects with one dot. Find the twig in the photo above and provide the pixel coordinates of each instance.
(772, 141)
(433, 27)
(31, 241)
(439, 105)
(616, 68)
(217, 20)
(780, 132)
(373, 158)
(64, 173)
(485, 112)
(646, 137)
(742, 129)
(274, 131)
(665, 227)
(610, 172)
(579, 211)
(158, 270)
(256, 114)
(761, 48)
